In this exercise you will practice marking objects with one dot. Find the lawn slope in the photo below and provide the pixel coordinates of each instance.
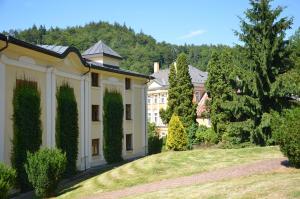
(169, 165)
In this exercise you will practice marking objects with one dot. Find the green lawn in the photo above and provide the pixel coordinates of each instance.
(279, 184)
(168, 165)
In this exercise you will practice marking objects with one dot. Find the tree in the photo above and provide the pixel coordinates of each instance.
(113, 111)
(180, 94)
(268, 58)
(27, 135)
(177, 138)
(67, 131)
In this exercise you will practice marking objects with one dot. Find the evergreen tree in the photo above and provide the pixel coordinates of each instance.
(268, 56)
(185, 108)
(177, 138)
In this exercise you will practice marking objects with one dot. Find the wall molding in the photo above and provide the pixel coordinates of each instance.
(22, 64)
(3, 111)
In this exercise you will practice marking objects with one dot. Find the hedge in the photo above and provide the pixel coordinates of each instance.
(113, 111)
(27, 135)
(67, 131)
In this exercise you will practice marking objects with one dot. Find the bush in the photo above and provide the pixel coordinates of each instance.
(177, 139)
(154, 142)
(287, 134)
(113, 111)
(191, 131)
(27, 135)
(7, 179)
(44, 169)
(206, 135)
(67, 131)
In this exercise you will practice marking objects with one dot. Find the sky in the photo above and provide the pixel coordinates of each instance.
(177, 22)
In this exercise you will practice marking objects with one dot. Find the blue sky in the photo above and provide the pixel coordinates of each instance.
(178, 22)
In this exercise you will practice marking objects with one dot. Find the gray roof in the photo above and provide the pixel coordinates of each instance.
(198, 76)
(57, 49)
(100, 48)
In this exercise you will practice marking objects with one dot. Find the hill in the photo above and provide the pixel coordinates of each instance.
(138, 49)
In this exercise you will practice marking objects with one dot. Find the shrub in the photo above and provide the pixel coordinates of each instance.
(67, 126)
(207, 135)
(44, 169)
(191, 131)
(154, 142)
(113, 111)
(27, 135)
(7, 179)
(288, 135)
(177, 139)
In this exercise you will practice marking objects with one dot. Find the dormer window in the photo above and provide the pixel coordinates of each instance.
(127, 83)
(95, 79)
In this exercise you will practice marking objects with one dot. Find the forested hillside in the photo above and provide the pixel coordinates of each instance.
(138, 49)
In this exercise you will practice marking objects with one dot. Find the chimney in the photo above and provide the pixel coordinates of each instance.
(156, 67)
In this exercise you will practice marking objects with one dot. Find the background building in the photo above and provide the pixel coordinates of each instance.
(158, 95)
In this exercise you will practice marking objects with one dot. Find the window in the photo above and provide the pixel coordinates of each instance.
(127, 83)
(162, 99)
(128, 142)
(149, 117)
(155, 99)
(197, 96)
(149, 100)
(155, 117)
(95, 112)
(95, 79)
(128, 111)
(95, 147)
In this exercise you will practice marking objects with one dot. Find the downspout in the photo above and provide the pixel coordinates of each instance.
(145, 117)
(6, 44)
(84, 124)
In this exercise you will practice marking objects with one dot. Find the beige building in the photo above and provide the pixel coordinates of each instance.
(158, 95)
(89, 74)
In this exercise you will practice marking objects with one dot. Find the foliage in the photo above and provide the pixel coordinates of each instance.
(191, 131)
(180, 94)
(7, 179)
(45, 169)
(287, 131)
(67, 131)
(27, 135)
(154, 142)
(138, 50)
(113, 111)
(177, 139)
(206, 135)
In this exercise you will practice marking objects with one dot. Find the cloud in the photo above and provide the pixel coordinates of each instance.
(192, 34)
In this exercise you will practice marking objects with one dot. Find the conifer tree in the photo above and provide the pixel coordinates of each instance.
(177, 139)
(266, 51)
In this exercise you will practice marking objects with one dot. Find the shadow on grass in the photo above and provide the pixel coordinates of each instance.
(71, 184)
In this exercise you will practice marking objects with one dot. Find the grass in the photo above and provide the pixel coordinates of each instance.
(280, 184)
(168, 165)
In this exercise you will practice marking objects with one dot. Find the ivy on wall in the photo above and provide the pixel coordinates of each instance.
(67, 131)
(113, 111)
(27, 132)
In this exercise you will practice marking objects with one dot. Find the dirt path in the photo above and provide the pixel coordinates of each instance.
(220, 174)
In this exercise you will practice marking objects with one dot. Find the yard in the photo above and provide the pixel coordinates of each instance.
(169, 165)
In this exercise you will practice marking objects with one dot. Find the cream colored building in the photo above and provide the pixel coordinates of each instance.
(158, 95)
(89, 74)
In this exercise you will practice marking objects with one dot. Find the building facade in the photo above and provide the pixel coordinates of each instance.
(89, 74)
(158, 95)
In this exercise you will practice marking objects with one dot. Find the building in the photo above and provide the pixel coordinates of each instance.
(158, 95)
(89, 74)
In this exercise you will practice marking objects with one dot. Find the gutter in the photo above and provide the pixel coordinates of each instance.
(145, 117)
(84, 119)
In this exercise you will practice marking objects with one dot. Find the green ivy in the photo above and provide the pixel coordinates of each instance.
(67, 126)
(27, 135)
(113, 111)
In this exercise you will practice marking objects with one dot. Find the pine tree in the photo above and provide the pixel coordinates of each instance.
(185, 108)
(268, 56)
(177, 138)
